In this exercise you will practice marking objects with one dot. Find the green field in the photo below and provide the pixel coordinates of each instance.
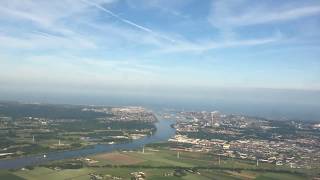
(160, 164)
(124, 173)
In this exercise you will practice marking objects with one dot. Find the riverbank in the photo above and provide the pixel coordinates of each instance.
(163, 133)
(161, 163)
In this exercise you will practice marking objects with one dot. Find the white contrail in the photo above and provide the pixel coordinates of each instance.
(126, 20)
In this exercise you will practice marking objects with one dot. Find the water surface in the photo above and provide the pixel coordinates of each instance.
(163, 133)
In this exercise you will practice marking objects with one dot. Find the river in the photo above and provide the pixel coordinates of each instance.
(163, 133)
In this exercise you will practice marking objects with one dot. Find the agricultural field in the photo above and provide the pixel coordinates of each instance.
(157, 164)
(28, 129)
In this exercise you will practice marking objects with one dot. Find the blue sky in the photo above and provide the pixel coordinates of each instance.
(134, 45)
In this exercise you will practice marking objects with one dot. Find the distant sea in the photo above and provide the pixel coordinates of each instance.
(270, 110)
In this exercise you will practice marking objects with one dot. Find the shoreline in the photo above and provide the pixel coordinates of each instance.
(164, 132)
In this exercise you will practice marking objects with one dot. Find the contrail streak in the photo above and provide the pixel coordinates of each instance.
(126, 21)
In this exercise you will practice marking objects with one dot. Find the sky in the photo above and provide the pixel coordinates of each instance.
(168, 47)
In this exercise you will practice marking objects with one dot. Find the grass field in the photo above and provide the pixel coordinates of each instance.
(116, 158)
(5, 175)
(159, 165)
(40, 173)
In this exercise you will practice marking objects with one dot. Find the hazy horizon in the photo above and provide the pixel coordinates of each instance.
(163, 52)
(272, 104)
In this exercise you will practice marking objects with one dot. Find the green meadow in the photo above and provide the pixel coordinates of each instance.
(160, 164)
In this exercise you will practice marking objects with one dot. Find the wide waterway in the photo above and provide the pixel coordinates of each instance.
(163, 133)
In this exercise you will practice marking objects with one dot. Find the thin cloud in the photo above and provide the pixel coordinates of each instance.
(47, 21)
(290, 14)
(224, 14)
(117, 16)
(40, 40)
(126, 21)
(207, 46)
